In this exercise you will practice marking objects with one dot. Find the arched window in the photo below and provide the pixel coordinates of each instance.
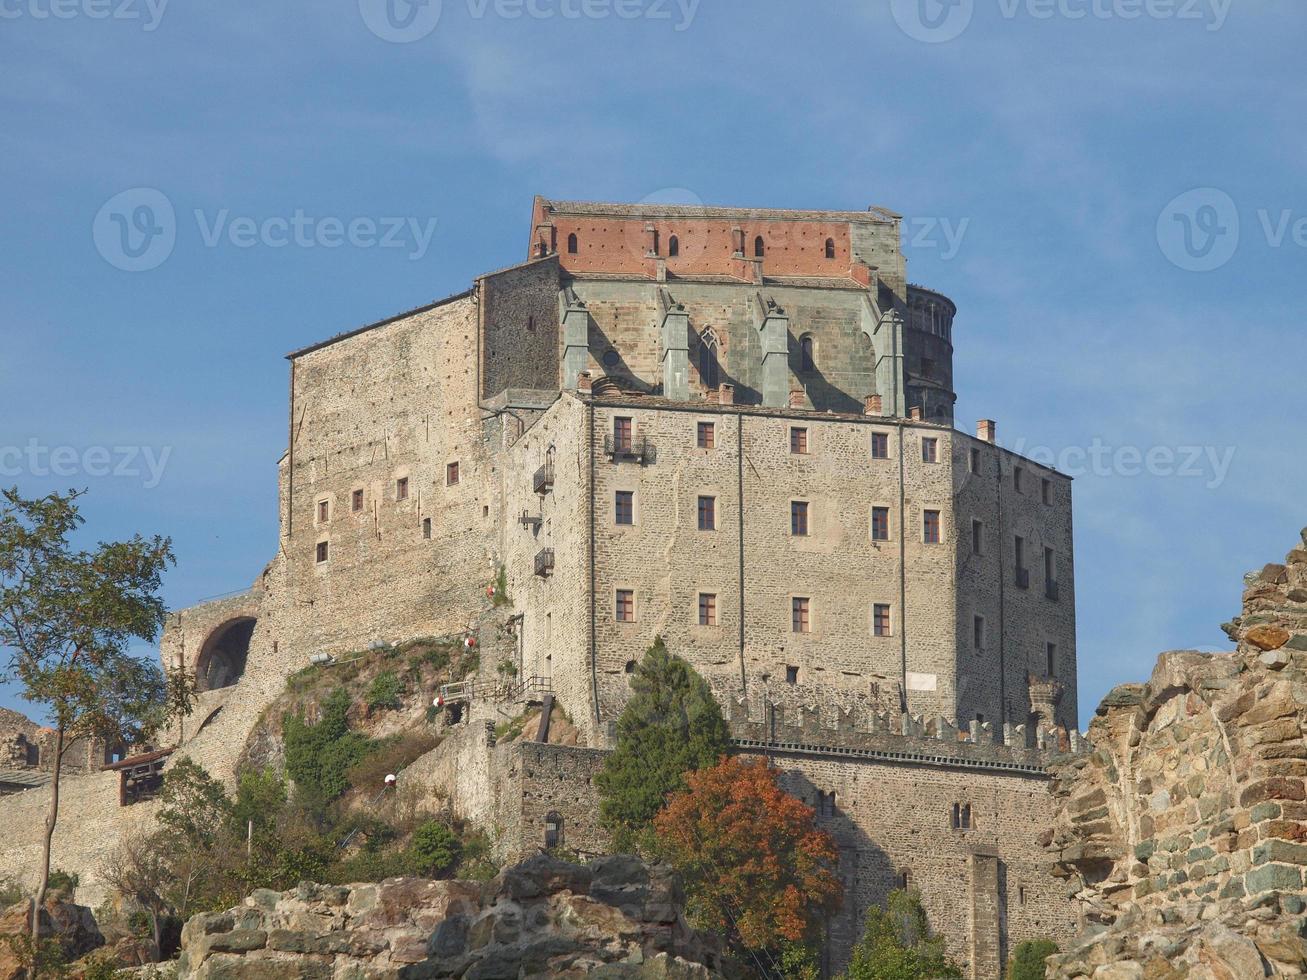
(673, 247)
(553, 830)
(759, 247)
(806, 360)
(709, 367)
(830, 248)
(571, 244)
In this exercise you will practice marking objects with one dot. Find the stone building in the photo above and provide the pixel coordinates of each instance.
(732, 429)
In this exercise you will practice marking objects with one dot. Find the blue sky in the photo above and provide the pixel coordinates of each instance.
(1043, 153)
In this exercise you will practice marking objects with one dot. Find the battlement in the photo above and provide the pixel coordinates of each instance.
(870, 731)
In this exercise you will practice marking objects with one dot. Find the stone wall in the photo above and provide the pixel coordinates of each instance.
(1186, 830)
(987, 886)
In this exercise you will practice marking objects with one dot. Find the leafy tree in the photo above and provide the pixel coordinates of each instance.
(1027, 962)
(435, 847)
(672, 725)
(755, 865)
(193, 806)
(67, 618)
(318, 756)
(898, 944)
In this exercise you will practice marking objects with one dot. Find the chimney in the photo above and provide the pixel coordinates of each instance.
(798, 398)
(583, 383)
(871, 405)
(726, 395)
(914, 413)
(986, 430)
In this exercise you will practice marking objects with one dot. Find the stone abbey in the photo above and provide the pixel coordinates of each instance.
(731, 429)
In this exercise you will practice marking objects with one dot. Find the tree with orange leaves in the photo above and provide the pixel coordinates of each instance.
(754, 863)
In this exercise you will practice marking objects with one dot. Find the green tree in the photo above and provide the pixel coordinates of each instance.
(67, 618)
(1027, 962)
(260, 797)
(898, 944)
(672, 725)
(384, 691)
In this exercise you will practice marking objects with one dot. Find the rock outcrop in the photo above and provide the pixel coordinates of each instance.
(614, 918)
(1187, 825)
(73, 926)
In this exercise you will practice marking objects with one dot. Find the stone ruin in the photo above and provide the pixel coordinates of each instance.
(1186, 827)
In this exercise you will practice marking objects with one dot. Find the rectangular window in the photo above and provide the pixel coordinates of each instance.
(426, 528)
(401, 488)
(324, 511)
(707, 513)
(1046, 490)
(1050, 565)
(880, 523)
(930, 450)
(707, 435)
(975, 461)
(799, 518)
(1022, 572)
(707, 609)
(800, 615)
(930, 526)
(323, 551)
(799, 441)
(625, 606)
(623, 430)
(977, 537)
(880, 625)
(1018, 478)
(978, 632)
(451, 474)
(880, 445)
(1050, 653)
(356, 501)
(624, 507)
(791, 674)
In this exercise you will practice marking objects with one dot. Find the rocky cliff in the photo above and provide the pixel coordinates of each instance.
(614, 918)
(1186, 827)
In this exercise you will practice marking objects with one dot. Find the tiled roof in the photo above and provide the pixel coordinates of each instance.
(873, 215)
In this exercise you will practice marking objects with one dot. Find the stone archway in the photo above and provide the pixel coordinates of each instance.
(222, 658)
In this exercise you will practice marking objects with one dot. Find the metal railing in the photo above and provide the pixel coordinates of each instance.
(545, 562)
(640, 450)
(517, 689)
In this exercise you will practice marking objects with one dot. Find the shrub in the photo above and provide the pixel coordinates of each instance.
(384, 691)
(435, 847)
(61, 882)
(373, 866)
(1027, 961)
(318, 756)
(260, 796)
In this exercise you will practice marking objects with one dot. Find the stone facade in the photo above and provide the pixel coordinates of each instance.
(1185, 832)
(488, 433)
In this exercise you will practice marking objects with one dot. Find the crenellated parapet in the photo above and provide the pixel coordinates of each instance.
(873, 730)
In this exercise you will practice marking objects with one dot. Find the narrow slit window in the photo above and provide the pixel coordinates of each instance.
(572, 244)
(830, 248)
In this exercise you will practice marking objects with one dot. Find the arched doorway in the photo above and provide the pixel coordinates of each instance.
(222, 658)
